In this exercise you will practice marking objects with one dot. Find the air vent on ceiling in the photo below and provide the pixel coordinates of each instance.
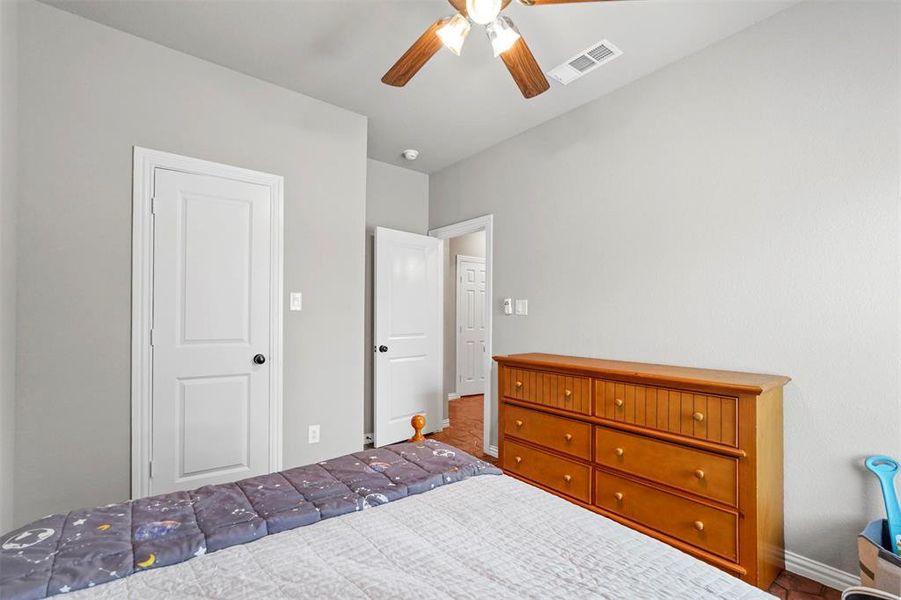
(585, 62)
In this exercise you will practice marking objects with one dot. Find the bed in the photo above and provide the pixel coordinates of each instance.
(480, 535)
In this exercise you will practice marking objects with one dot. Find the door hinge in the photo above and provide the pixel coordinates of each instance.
(153, 205)
(151, 337)
(150, 470)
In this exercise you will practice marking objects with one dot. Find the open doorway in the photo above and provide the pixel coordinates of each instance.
(467, 335)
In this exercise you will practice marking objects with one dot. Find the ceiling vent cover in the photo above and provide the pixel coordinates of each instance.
(585, 62)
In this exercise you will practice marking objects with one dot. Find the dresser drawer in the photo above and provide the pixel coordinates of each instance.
(560, 434)
(695, 471)
(564, 476)
(565, 392)
(702, 416)
(703, 526)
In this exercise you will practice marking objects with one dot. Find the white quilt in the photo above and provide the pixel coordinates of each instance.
(486, 537)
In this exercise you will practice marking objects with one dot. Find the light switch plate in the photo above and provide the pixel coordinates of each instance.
(522, 307)
(296, 302)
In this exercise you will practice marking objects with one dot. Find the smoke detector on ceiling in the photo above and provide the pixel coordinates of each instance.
(410, 154)
(585, 62)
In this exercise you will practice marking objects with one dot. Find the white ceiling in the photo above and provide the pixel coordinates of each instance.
(337, 51)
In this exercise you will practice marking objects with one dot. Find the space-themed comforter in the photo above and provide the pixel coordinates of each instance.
(84, 548)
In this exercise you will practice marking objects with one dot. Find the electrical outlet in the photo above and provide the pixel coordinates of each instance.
(367, 439)
(314, 434)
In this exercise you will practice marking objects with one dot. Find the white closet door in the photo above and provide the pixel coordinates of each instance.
(210, 331)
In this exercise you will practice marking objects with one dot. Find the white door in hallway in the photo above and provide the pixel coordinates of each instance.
(211, 330)
(470, 325)
(407, 306)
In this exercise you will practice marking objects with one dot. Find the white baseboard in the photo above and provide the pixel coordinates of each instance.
(445, 423)
(492, 451)
(453, 396)
(819, 572)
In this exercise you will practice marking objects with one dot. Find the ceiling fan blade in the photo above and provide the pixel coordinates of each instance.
(415, 57)
(459, 6)
(525, 70)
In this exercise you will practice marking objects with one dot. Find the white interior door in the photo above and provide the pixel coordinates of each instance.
(407, 316)
(470, 325)
(211, 330)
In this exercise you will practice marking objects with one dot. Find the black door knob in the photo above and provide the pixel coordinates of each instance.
(383, 348)
(259, 359)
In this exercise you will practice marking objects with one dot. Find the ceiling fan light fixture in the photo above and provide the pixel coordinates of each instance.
(483, 11)
(503, 34)
(454, 32)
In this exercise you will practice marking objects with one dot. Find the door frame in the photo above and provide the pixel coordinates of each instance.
(484, 223)
(145, 162)
(464, 258)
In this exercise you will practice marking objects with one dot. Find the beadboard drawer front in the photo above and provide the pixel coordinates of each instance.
(564, 476)
(702, 473)
(549, 389)
(557, 433)
(702, 416)
(708, 528)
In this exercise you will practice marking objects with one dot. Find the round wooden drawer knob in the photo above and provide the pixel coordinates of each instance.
(568, 393)
(518, 459)
(618, 401)
(619, 451)
(618, 496)
(698, 416)
(518, 423)
(699, 525)
(700, 474)
(568, 437)
(567, 478)
(519, 384)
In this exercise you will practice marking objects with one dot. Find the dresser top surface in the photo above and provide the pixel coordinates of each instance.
(755, 383)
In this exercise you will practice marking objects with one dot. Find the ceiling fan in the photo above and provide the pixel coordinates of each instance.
(505, 38)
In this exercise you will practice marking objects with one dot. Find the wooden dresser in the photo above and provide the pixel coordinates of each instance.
(692, 457)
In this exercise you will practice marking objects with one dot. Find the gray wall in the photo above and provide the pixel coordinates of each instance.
(737, 209)
(396, 198)
(91, 94)
(471, 244)
(8, 100)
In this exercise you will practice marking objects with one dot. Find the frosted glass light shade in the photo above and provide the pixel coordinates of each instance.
(483, 11)
(502, 33)
(454, 32)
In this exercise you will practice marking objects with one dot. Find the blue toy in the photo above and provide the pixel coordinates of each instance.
(885, 469)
